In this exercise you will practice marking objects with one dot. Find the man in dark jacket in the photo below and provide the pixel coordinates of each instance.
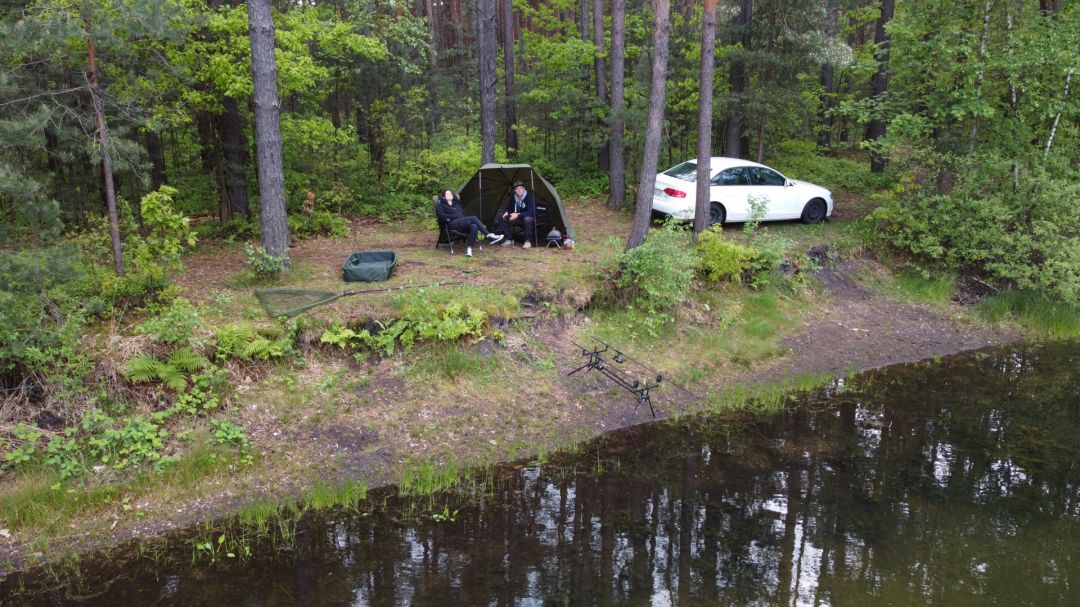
(520, 210)
(448, 211)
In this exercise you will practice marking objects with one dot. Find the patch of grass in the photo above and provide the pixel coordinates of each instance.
(425, 477)
(453, 363)
(323, 495)
(917, 288)
(765, 398)
(1040, 314)
(38, 504)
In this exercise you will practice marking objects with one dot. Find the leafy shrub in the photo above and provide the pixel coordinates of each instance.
(426, 171)
(168, 232)
(1021, 233)
(721, 259)
(318, 223)
(236, 228)
(803, 160)
(656, 276)
(176, 324)
(262, 264)
(123, 443)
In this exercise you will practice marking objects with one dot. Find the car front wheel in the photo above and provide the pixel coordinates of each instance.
(814, 211)
(716, 213)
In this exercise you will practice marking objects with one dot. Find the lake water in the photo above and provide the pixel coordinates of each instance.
(951, 483)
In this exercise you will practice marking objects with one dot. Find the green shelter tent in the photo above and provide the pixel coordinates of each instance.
(487, 193)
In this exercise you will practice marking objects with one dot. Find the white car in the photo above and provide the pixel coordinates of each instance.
(733, 183)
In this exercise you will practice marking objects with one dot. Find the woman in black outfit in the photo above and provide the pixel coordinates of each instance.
(448, 209)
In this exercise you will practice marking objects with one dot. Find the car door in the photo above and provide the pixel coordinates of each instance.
(771, 187)
(730, 187)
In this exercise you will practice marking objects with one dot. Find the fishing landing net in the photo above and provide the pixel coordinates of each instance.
(291, 302)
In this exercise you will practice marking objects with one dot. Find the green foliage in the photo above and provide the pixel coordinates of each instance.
(800, 159)
(720, 259)
(262, 264)
(45, 302)
(23, 446)
(125, 442)
(318, 223)
(172, 372)
(242, 341)
(421, 321)
(176, 324)
(431, 170)
(168, 232)
(656, 276)
(226, 432)
(1021, 232)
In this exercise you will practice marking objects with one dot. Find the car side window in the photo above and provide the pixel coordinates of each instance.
(735, 176)
(763, 176)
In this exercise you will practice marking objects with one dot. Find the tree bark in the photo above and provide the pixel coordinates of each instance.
(1057, 117)
(485, 38)
(103, 139)
(828, 86)
(705, 97)
(879, 82)
(508, 79)
(155, 151)
(603, 160)
(617, 156)
(275, 225)
(234, 146)
(433, 66)
(657, 95)
(733, 129)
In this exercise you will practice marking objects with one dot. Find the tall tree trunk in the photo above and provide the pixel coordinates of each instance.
(824, 135)
(603, 160)
(156, 152)
(617, 157)
(1057, 117)
(433, 66)
(235, 149)
(508, 80)
(973, 134)
(485, 39)
(103, 139)
(275, 224)
(733, 129)
(705, 96)
(879, 83)
(657, 95)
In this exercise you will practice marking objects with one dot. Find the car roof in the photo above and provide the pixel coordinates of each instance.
(719, 163)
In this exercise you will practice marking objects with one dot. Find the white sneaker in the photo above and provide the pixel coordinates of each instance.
(508, 243)
(468, 252)
(495, 238)
(527, 245)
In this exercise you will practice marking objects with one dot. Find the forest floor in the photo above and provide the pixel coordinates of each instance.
(376, 420)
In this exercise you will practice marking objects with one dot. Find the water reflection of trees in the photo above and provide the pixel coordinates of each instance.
(944, 485)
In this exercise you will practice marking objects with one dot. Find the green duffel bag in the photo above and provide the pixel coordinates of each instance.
(369, 266)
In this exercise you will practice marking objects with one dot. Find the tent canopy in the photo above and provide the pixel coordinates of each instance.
(488, 192)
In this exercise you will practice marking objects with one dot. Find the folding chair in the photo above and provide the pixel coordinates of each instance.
(451, 235)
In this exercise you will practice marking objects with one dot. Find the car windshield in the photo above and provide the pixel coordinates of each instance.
(686, 171)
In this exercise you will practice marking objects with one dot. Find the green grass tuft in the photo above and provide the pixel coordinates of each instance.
(1046, 317)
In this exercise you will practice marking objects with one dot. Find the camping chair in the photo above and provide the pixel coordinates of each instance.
(451, 235)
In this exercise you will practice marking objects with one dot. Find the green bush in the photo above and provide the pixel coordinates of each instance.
(722, 260)
(656, 276)
(803, 160)
(1024, 233)
(262, 264)
(177, 324)
(242, 341)
(318, 223)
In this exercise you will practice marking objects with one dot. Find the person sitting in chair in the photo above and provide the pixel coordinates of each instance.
(448, 210)
(520, 210)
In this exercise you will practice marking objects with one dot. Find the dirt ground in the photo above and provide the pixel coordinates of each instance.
(384, 422)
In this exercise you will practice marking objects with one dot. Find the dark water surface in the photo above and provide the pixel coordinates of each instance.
(948, 484)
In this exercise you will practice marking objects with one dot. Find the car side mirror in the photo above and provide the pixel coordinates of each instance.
(788, 183)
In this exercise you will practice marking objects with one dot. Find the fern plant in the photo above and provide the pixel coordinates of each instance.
(172, 372)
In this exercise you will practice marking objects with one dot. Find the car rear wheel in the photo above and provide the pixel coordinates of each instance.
(716, 213)
(814, 211)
